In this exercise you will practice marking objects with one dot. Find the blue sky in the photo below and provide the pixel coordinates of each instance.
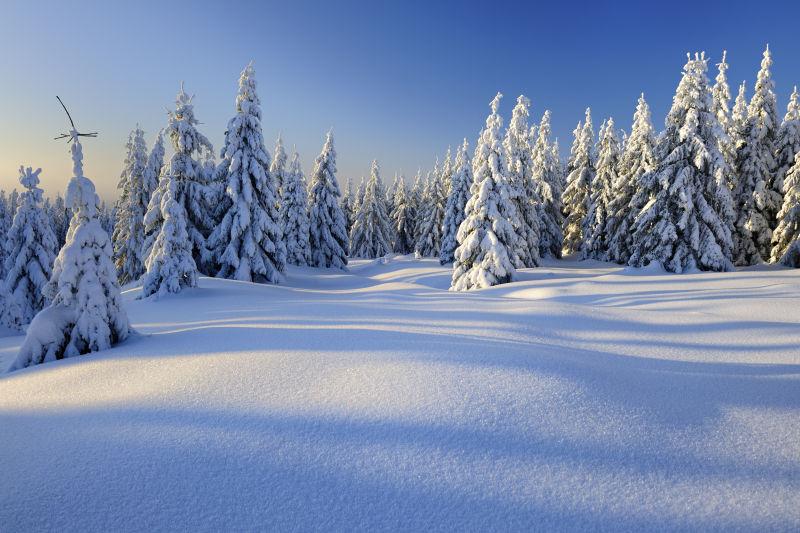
(398, 81)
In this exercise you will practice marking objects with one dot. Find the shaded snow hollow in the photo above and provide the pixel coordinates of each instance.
(582, 396)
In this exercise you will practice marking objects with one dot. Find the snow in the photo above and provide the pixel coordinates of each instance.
(583, 396)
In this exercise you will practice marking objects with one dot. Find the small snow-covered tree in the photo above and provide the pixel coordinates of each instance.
(6, 219)
(461, 182)
(486, 237)
(577, 195)
(294, 213)
(86, 313)
(277, 169)
(402, 219)
(327, 227)
(248, 244)
(788, 140)
(786, 237)
(638, 159)
(391, 192)
(527, 203)
(431, 215)
(545, 174)
(152, 169)
(678, 227)
(347, 205)
(30, 248)
(415, 198)
(372, 232)
(595, 230)
(128, 235)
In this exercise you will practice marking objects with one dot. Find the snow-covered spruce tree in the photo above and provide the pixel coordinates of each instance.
(359, 196)
(431, 216)
(720, 106)
(415, 197)
(486, 238)
(546, 178)
(248, 243)
(402, 219)
(60, 216)
(527, 203)
(6, 219)
(190, 188)
(327, 232)
(678, 227)
(391, 192)
(596, 239)
(577, 195)
(738, 125)
(128, 235)
(372, 232)
(786, 237)
(86, 313)
(347, 205)
(446, 175)
(277, 169)
(294, 213)
(152, 169)
(30, 249)
(638, 159)
(460, 184)
(788, 141)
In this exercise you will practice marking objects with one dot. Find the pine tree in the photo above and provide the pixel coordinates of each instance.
(402, 219)
(60, 216)
(788, 140)
(277, 169)
(327, 234)
(456, 203)
(294, 213)
(527, 203)
(86, 313)
(638, 159)
(347, 205)
(596, 238)
(547, 182)
(486, 238)
(431, 215)
(248, 243)
(577, 195)
(128, 235)
(6, 219)
(30, 249)
(786, 237)
(372, 232)
(720, 106)
(678, 227)
(738, 123)
(415, 203)
(155, 162)
(391, 192)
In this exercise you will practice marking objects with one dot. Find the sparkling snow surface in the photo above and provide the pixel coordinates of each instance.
(584, 396)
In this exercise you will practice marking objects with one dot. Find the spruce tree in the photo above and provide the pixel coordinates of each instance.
(596, 238)
(294, 213)
(786, 237)
(788, 140)
(327, 234)
(277, 169)
(372, 232)
(527, 203)
(486, 238)
(6, 219)
(638, 159)
(30, 249)
(347, 205)
(577, 195)
(721, 101)
(86, 313)
(429, 239)
(678, 227)
(248, 244)
(128, 235)
(402, 219)
(461, 182)
(415, 203)
(545, 174)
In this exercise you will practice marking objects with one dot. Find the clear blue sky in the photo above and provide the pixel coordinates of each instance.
(398, 81)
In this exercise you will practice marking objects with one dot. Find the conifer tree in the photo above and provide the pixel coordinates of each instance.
(277, 170)
(547, 182)
(372, 231)
(638, 159)
(596, 238)
(155, 162)
(486, 238)
(402, 219)
(738, 123)
(327, 234)
(347, 205)
(415, 195)
(294, 213)
(429, 239)
(128, 235)
(788, 140)
(30, 249)
(577, 195)
(721, 101)
(461, 182)
(248, 244)
(678, 227)
(6, 219)
(527, 203)
(786, 237)
(86, 313)
(391, 192)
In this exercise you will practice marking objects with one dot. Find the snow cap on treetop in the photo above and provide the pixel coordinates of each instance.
(28, 177)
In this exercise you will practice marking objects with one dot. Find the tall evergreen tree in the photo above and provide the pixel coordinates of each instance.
(30, 250)
(720, 105)
(788, 140)
(638, 159)
(294, 213)
(128, 235)
(545, 174)
(431, 216)
(402, 219)
(372, 232)
(461, 182)
(486, 238)
(577, 195)
(327, 233)
(6, 219)
(248, 243)
(277, 169)
(415, 197)
(786, 237)
(526, 199)
(346, 204)
(678, 227)
(596, 238)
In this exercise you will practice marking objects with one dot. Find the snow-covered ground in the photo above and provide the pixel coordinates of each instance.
(583, 396)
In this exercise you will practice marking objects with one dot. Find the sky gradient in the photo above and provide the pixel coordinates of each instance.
(397, 81)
